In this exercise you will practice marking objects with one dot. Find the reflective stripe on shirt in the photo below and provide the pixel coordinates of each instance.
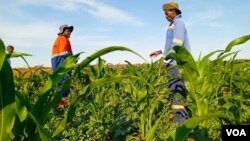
(178, 41)
(60, 54)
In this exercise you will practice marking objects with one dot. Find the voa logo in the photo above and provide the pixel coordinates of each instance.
(236, 132)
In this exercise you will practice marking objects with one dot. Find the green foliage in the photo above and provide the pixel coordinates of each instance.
(128, 102)
(237, 41)
(199, 78)
(7, 97)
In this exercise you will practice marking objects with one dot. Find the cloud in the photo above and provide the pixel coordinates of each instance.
(108, 13)
(31, 35)
(103, 11)
(65, 5)
(209, 17)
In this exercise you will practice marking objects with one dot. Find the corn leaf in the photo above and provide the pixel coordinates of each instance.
(7, 97)
(187, 67)
(19, 54)
(181, 133)
(42, 133)
(151, 132)
(101, 52)
(237, 41)
(21, 109)
(3, 54)
(42, 107)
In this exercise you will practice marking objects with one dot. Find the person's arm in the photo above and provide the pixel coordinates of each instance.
(155, 53)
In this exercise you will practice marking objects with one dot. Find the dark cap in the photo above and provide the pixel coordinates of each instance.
(170, 6)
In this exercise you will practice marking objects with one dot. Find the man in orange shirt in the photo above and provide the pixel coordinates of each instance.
(60, 51)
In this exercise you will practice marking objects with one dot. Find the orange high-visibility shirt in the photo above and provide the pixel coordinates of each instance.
(61, 46)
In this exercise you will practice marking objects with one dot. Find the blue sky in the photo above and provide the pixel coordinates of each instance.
(32, 26)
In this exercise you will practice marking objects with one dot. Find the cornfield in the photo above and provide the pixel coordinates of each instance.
(128, 102)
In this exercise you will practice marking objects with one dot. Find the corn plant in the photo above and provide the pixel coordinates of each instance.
(149, 103)
(32, 118)
(123, 102)
(7, 97)
(198, 79)
(8, 109)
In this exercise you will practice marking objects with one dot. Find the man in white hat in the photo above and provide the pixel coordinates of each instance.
(60, 51)
(176, 36)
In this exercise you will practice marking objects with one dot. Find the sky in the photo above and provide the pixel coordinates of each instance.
(31, 26)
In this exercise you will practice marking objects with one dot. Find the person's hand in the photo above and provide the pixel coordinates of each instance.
(155, 53)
